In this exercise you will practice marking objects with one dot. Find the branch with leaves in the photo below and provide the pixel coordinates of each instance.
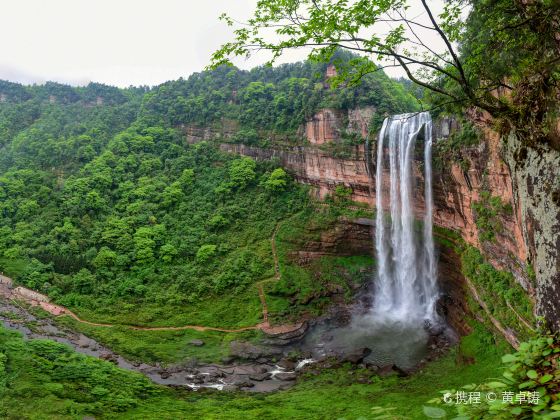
(463, 53)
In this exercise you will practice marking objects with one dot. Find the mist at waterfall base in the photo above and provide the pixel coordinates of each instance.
(404, 290)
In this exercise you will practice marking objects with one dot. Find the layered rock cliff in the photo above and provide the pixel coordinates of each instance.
(525, 223)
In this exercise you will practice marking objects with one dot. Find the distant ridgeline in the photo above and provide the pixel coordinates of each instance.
(265, 98)
(279, 98)
(52, 92)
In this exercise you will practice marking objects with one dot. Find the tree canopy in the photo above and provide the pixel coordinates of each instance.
(485, 47)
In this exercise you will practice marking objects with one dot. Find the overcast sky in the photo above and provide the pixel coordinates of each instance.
(117, 42)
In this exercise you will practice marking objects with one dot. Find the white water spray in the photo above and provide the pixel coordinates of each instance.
(406, 288)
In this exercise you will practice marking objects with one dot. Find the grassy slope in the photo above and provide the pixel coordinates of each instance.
(34, 384)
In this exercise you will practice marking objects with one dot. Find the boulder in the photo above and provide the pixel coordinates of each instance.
(287, 364)
(228, 360)
(386, 371)
(245, 350)
(286, 376)
(198, 380)
(110, 357)
(243, 383)
(260, 376)
(196, 342)
(356, 356)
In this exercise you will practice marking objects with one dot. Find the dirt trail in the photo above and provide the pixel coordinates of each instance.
(35, 299)
(265, 325)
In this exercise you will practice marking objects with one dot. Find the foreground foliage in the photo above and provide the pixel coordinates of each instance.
(528, 389)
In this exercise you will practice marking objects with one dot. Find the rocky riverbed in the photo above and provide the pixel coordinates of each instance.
(344, 335)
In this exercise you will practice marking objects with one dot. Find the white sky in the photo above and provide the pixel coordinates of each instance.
(117, 42)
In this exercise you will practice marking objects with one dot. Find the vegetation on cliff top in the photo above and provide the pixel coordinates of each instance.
(266, 101)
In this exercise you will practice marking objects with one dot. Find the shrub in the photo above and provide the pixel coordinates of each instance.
(276, 181)
(242, 172)
(205, 252)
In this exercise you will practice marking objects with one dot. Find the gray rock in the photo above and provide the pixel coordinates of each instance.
(260, 376)
(286, 376)
(356, 356)
(245, 350)
(287, 364)
(196, 343)
(198, 380)
(386, 371)
(110, 357)
(243, 383)
(228, 360)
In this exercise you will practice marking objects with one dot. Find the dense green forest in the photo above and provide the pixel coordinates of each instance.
(107, 210)
(270, 98)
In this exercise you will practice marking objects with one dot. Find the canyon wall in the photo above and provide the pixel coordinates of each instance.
(536, 180)
(526, 226)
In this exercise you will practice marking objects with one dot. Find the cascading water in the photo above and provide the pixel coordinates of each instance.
(406, 286)
(395, 328)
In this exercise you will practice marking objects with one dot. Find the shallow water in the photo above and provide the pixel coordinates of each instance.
(402, 343)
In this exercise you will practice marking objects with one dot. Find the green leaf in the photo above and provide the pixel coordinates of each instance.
(508, 358)
(496, 384)
(516, 410)
(546, 378)
(532, 374)
(508, 375)
(527, 384)
(556, 407)
(434, 412)
(541, 390)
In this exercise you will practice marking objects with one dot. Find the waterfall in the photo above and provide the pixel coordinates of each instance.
(406, 287)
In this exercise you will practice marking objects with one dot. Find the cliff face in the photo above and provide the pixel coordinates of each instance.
(330, 125)
(315, 167)
(525, 227)
(458, 188)
(324, 126)
(536, 181)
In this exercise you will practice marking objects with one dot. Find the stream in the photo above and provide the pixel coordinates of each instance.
(345, 334)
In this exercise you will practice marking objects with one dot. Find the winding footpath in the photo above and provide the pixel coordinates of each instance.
(7, 291)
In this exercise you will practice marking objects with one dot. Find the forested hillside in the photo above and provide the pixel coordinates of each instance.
(105, 207)
(270, 98)
(108, 210)
(208, 247)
